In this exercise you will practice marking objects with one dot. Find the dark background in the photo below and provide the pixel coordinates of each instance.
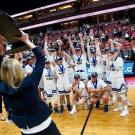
(16, 6)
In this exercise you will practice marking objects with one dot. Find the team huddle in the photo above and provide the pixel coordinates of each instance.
(65, 76)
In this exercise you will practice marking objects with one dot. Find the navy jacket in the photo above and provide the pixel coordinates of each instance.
(26, 107)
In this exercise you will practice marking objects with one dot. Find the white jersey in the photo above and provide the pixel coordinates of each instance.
(80, 62)
(62, 74)
(28, 69)
(96, 64)
(106, 63)
(49, 79)
(116, 67)
(52, 58)
(106, 67)
(99, 84)
(70, 71)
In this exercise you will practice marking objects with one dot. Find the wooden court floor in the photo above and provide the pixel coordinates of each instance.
(99, 123)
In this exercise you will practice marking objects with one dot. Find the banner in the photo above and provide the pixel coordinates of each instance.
(128, 69)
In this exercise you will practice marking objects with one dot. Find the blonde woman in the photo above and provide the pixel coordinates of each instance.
(28, 111)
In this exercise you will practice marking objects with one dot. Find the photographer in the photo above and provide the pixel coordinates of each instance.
(28, 111)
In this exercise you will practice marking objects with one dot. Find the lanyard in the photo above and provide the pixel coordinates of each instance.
(49, 72)
(94, 61)
(79, 58)
(78, 85)
(95, 84)
(113, 63)
(61, 68)
(55, 58)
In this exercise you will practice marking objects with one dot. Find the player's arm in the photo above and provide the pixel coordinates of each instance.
(88, 48)
(60, 50)
(115, 44)
(101, 90)
(71, 45)
(66, 55)
(46, 46)
(82, 43)
(91, 90)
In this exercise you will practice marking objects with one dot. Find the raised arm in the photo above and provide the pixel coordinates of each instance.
(71, 45)
(88, 49)
(115, 44)
(82, 43)
(66, 55)
(45, 46)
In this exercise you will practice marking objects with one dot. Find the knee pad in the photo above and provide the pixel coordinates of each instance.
(123, 96)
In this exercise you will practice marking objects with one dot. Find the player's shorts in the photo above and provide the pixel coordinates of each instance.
(70, 77)
(119, 85)
(63, 89)
(50, 93)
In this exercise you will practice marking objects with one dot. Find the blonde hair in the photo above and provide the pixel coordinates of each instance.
(12, 73)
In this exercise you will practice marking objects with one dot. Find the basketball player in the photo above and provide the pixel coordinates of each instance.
(79, 56)
(106, 70)
(79, 94)
(62, 82)
(98, 89)
(95, 60)
(118, 82)
(49, 84)
(50, 53)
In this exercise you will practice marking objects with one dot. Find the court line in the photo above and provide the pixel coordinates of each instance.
(84, 126)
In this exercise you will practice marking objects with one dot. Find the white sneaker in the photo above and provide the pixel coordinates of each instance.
(129, 104)
(73, 111)
(124, 113)
(118, 109)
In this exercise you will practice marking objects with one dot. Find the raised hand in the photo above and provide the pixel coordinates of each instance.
(80, 35)
(24, 38)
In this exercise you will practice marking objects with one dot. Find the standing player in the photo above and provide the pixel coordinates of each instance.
(79, 94)
(95, 60)
(49, 85)
(118, 82)
(98, 89)
(63, 84)
(79, 56)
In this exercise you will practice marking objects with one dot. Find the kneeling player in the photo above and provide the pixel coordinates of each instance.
(98, 89)
(79, 94)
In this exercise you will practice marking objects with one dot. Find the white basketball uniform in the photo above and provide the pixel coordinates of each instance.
(117, 76)
(80, 66)
(48, 81)
(97, 85)
(63, 84)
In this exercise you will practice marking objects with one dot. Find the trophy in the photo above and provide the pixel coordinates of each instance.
(9, 30)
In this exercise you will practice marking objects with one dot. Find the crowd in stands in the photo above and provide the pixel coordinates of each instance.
(120, 31)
